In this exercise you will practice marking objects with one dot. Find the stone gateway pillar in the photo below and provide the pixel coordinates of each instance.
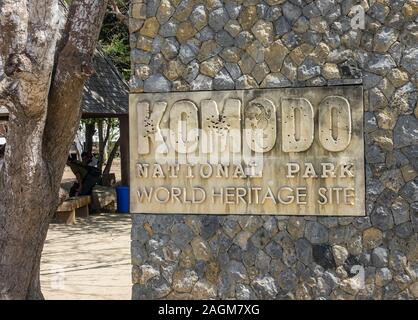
(274, 149)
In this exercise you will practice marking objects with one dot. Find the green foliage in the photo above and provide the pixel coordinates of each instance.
(114, 39)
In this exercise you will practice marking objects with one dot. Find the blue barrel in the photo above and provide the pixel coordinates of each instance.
(122, 196)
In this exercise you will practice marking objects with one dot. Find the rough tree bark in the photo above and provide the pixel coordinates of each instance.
(90, 130)
(111, 157)
(103, 139)
(42, 74)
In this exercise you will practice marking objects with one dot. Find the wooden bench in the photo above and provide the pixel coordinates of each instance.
(72, 207)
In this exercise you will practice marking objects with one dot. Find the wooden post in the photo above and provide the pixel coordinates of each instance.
(124, 148)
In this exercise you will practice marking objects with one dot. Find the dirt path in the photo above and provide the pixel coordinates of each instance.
(88, 260)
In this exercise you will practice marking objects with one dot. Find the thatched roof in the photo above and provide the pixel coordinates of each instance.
(105, 92)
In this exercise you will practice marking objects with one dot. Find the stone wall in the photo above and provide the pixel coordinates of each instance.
(186, 45)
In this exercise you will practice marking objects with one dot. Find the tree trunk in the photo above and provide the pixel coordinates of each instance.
(89, 133)
(101, 145)
(41, 85)
(111, 157)
(103, 139)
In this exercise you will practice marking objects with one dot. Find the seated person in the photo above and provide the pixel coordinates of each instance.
(87, 177)
(88, 159)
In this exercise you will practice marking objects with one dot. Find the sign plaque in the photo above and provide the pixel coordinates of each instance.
(287, 151)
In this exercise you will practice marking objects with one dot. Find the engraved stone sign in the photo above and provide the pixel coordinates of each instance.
(288, 151)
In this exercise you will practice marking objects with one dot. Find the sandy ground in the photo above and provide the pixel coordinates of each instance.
(88, 260)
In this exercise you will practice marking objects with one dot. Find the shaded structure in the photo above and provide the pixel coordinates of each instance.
(105, 96)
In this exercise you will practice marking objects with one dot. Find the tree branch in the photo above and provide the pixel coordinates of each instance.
(73, 68)
(118, 14)
(111, 157)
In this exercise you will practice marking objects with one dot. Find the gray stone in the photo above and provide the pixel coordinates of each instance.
(165, 11)
(262, 10)
(400, 211)
(296, 226)
(370, 80)
(316, 233)
(341, 234)
(201, 83)
(205, 34)
(244, 39)
(237, 271)
(383, 277)
(311, 10)
(242, 239)
(201, 249)
(218, 18)
(379, 257)
(374, 154)
(340, 254)
(273, 13)
(287, 280)
(224, 39)
(390, 291)
(199, 17)
(270, 225)
(382, 218)
(406, 131)
(281, 26)
(384, 38)
(232, 8)
(304, 251)
(244, 292)
(170, 48)
(411, 154)
(262, 262)
(380, 64)
(392, 179)
(187, 53)
(274, 250)
(378, 11)
(312, 37)
(404, 230)
(362, 223)
(226, 286)
(157, 83)
(191, 72)
(260, 238)
(308, 70)
(250, 223)
(410, 59)
(210, 224)
(152, 6)
(160, 288)
(169, 29)
(140, 56)
(410, 191)
(204, 290)
(184, 280)
(245, 82)
(291, 12)
(291, 40)
(231, 227)
(324, 6)
(370, 122)
(181, 234)
(234, 70)
(275, 80)
(265, 287)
